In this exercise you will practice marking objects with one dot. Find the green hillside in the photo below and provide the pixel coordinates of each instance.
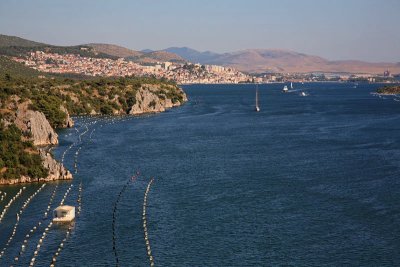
(115, 50)
(15, 46)
(6, 40)
(16, 69)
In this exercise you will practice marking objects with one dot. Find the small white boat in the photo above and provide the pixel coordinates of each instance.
(257, 109)
(64, 213)
(303, 94)
(291, 85)
(285, 89)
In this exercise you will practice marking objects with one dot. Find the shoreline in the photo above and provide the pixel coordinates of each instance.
(46, 150)
(343, 82)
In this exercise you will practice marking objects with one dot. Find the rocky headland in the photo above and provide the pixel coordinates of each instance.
(43, 106)
(389, 90)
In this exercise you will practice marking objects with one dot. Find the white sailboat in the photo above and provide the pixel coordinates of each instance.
(291, 85)
(257, 109)
(285, 89)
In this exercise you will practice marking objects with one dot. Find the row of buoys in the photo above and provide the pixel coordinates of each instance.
(2, 195)
(73, 144)
(19, 213)
(68, 148)
(76, 159)
(6, 207)
(146, 234)
(79, 149)
(66, 194)
(65, 152)
(83, 133)
(91, 134)
(79, 200)
(39, 244)
(47, 229)
(114, 239)
(36, 227)
(60, 246)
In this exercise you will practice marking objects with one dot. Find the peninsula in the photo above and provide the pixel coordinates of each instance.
(389, 90)
(32, 108)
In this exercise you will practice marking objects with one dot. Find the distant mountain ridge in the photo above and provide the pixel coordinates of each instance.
(7, 40)
(279, 60)
(146, 56)
(115, 50)
(249, 60)
(15, 46)
(193, 55)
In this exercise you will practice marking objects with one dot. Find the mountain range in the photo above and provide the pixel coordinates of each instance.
(279, 60)
(249, 60)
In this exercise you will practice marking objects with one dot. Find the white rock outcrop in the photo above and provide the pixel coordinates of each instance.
(147, 101)
(35, 123)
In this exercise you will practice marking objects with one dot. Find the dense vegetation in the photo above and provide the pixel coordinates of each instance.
(389, 90)
(80, 97)
(15, 46)
(47, 94)
(83, 51)
(16, 69)
(18, 157)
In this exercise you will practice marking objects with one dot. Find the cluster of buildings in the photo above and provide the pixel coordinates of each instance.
(71, 63)
(181, 73)
(324, 77)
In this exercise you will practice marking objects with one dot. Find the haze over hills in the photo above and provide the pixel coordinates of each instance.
(250, 60)
(137, 56)
(277, 60)
(7, 40)
(194, 55)
(115, 50)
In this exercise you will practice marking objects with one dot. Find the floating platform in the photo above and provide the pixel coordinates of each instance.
(64, 213)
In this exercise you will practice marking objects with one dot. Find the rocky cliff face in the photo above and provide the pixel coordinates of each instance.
(36, 124)
(42, 134)
(56, 169)
(150, 100)
(69, 123)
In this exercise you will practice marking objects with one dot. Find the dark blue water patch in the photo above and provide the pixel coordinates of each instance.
(307, 181)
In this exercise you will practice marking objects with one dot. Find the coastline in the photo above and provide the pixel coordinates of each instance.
(305, 82)
(38, 129)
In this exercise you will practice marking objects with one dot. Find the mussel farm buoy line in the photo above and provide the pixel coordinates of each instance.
(19, 213)
(130, 180)
(60, 246)
(146, 235)
(79, 200)
(47, 229)
(35, 227)
(6, 207)
(2, 196)
(68, 232)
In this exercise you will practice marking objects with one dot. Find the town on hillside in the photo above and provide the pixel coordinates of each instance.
(182, 73)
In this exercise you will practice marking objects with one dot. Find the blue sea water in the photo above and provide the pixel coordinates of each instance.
(308, 181)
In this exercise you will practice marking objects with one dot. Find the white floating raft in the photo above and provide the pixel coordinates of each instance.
(64, 213)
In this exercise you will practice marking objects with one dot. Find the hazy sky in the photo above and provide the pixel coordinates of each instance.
(340, 29)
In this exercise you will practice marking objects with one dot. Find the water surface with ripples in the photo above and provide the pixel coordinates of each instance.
(308, 181)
